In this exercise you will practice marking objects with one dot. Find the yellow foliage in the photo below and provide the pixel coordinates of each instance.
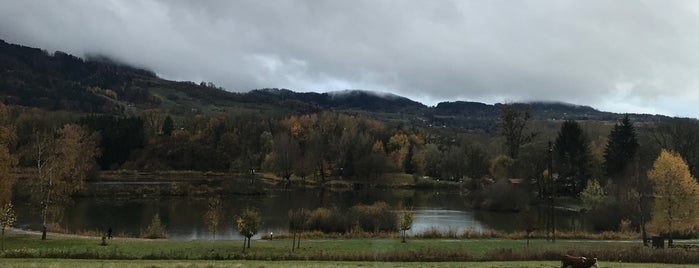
(294, 126)
(676, 195)
(593, 194)
(398, 146)
(377, 147)
(7, 180)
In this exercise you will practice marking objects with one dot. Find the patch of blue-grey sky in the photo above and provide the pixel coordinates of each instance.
(621, 56)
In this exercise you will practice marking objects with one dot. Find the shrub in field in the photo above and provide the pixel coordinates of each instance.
(436, 233)
(327, 220)
(375, 217)
(20, 253)
(502, 196)
(155, 230)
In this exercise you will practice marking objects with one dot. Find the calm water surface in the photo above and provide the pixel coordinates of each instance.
(183, 216)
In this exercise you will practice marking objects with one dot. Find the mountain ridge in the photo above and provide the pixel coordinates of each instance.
(59, 81)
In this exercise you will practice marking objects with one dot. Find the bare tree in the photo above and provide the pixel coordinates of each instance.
(298, 219)
(513, 124)
(154, 120)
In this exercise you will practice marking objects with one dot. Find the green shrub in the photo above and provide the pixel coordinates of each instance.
(156, 229)
(327, 220)
(20, 253)
(376, 217)
(502, 196)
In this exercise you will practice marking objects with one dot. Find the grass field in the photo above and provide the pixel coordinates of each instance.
(27, 250)
(21, 245)
(70, 263)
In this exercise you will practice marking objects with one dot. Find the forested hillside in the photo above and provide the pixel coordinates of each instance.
(57, 105)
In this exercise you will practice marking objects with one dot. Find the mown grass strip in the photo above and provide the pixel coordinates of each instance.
(71, 263)
(381, 250)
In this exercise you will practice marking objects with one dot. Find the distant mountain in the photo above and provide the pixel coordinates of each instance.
(36, 78)
(539, 110)
(341, 100)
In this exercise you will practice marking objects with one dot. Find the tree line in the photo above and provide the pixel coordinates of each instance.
(589, 160)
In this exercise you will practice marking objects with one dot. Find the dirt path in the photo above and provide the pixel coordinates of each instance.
(52, 234)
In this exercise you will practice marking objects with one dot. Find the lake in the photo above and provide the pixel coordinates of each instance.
(183, 216)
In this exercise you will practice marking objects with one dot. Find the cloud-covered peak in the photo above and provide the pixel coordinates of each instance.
(615, 55)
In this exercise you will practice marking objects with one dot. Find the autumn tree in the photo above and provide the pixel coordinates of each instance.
(8, 137)
(213, 217)
(500, 167)
(593, 195)
(247, 224)
(7, 219)
(621, 148)
(7, 180)
(398, 147)
(62, 164)
(512, 126)
(676, 195)
(405, 222)
(572, 157)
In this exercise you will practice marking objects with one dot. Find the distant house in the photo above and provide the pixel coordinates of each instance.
(516, 181)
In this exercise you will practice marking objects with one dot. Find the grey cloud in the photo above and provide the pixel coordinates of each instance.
(616, 55)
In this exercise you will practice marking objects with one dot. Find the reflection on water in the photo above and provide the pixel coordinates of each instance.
(445, 220)
(183, 216)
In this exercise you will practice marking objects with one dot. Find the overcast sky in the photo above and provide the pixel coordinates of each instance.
(620, 56)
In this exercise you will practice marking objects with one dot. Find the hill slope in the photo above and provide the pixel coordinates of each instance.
(59, 81)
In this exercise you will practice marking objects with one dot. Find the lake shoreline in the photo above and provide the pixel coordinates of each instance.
(132, 183)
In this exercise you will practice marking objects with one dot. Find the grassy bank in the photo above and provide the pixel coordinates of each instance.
(29, 246)
(61, 263)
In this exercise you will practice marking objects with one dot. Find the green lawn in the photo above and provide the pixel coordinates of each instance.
(27, 250)
(352, 249)
(70, 263)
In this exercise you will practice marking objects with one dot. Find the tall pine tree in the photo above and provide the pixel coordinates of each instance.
(622, 146)
(572, 157)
